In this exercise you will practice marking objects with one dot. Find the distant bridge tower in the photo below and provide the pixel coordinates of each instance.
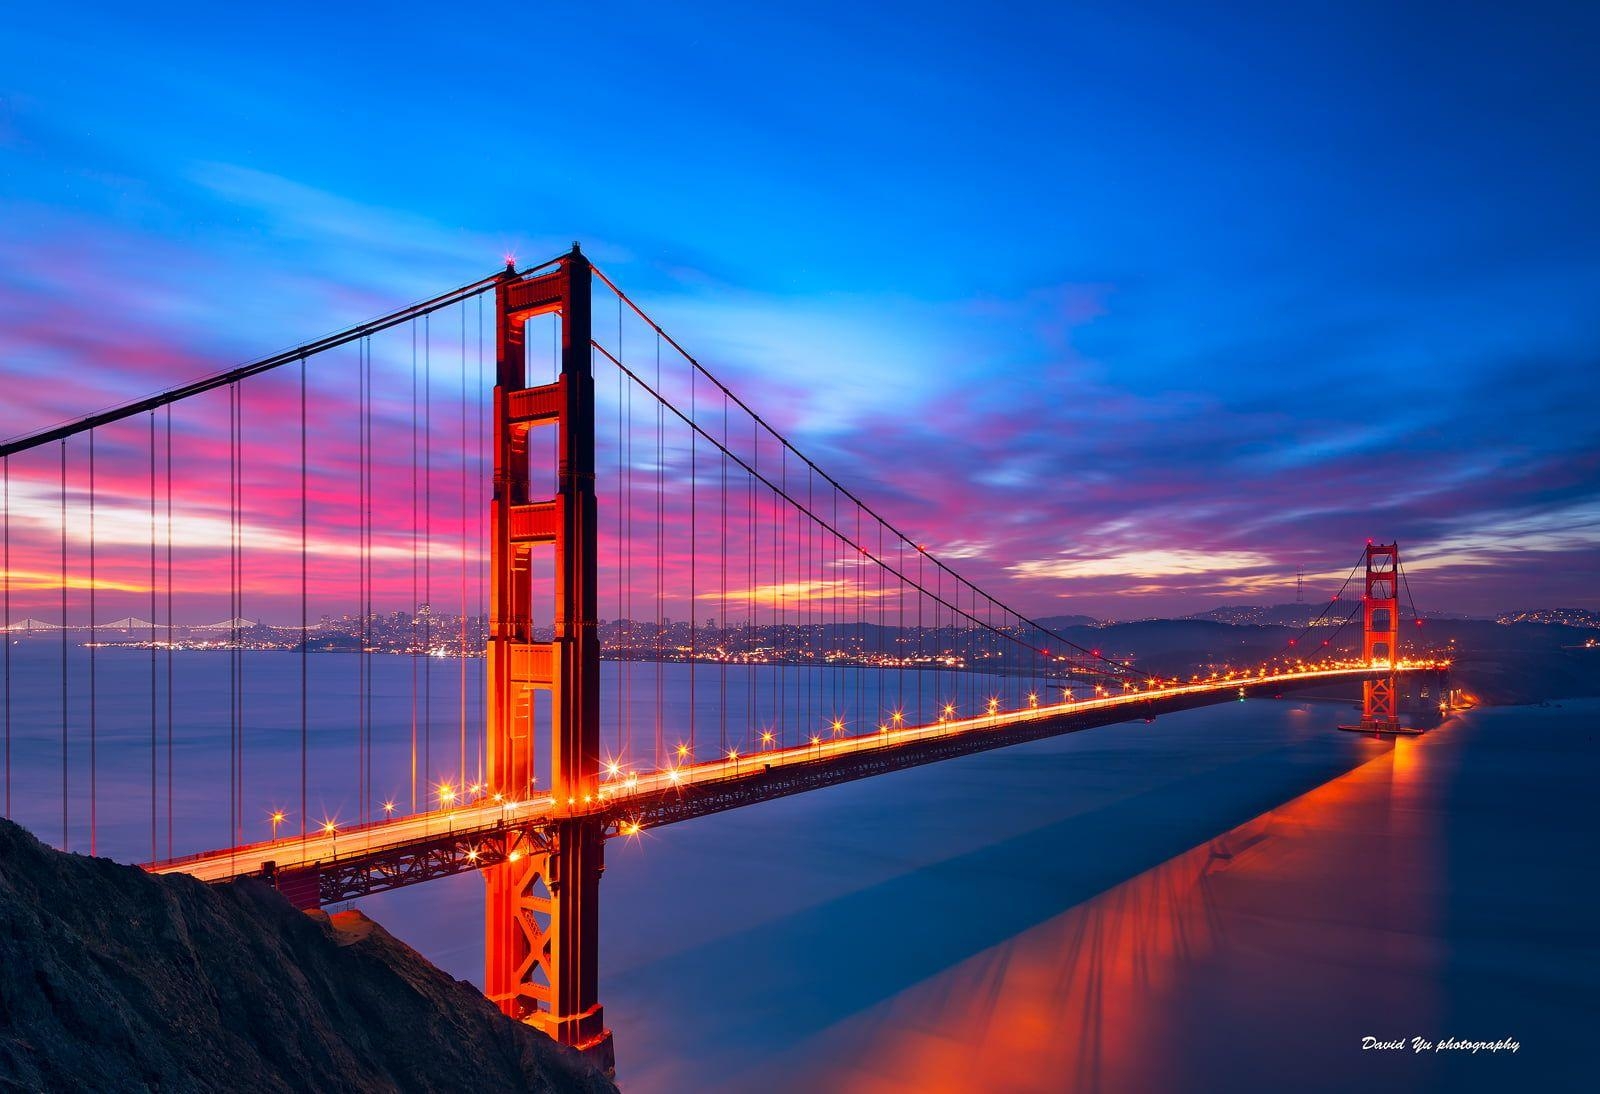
(541, 960)
(1380, 638)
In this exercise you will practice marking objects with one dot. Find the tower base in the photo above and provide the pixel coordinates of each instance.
(1384, 729)
(586, 1032)
(601, 1052)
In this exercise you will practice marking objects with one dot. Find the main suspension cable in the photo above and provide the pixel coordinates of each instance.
(1114, 668)
(823, 522)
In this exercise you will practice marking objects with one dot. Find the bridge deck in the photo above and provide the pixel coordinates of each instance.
(404, 850)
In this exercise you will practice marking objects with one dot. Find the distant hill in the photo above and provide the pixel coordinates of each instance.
(1298, 615)
(1277, 615)
(115, 979)
(1562, 617)
(1061, 622)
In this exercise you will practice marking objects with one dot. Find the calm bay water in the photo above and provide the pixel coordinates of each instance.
(1230, 898)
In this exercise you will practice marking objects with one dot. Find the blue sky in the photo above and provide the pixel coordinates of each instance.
(1134, 308)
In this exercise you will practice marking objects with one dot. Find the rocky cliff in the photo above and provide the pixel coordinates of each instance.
(112, 979)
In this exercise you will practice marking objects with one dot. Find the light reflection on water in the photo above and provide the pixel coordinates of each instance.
(1382, 902)
(1132, 988)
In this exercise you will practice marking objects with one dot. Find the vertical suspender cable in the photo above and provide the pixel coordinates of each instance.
(939, 682)
(780, 557)
(750, 588)
(361, 582)
(362, 809)
(305, 631)
(836, 596)
(461, 649)
(621, 564)
(152, 621)
(94, 758)
(238, 612)
(857, 564)
(921, 595)
(813, 590)
(233, 599)
(363, 659)
(483, 557)
(7, 579)
(238, 609)
(628, 565)
(1007, 679)
(694, 548)
(883, 627)
(722, 601)
(965, 650)
(661, 549)
(805, 645)
(366, 604)
(978, 641)
(167, 452)
(901, 655)
(65, 838)
(427, 549)
(366, 746)
(411, 638)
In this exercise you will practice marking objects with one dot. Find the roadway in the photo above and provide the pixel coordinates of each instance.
(331, 844)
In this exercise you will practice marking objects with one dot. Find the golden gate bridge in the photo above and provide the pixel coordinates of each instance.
(546, 468)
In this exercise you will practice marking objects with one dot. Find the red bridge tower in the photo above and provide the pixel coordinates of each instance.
(1380, 639)
(541, 962)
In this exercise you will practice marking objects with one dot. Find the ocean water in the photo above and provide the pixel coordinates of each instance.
(1226, 899)
(1231, 898)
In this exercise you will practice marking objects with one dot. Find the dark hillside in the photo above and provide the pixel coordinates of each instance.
(112, 979)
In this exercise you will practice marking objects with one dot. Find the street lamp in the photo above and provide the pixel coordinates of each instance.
(277, 819)
(447, 797)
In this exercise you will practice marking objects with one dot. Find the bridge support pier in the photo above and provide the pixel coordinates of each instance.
(542, 931)
(541, 958)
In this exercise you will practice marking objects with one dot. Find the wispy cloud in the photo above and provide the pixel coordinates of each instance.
(1142, 565)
